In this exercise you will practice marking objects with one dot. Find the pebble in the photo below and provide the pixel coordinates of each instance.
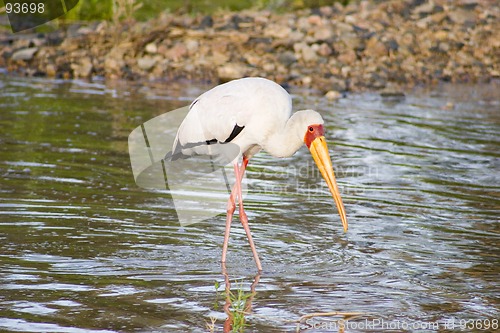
(151, 48)
(146, 63)
(287, 58)
(347, 57)
(192, 46)
(25, 54)
(277, 31)
(375, 48)
(333, 95)
(448, 106)
(462, 16)
(308, 54)
(324, 50)
(324, 33)
(83, 68)
(231, 71)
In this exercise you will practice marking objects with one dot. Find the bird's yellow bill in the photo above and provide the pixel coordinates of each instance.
(319, 152)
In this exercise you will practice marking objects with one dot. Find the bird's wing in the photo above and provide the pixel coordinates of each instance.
(240, 111)
(212, 118)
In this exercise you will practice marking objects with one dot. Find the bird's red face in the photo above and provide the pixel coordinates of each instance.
(316, 142)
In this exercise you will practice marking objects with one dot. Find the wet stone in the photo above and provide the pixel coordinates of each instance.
(25, 54)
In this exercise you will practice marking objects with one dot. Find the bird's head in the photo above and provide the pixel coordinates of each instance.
(314, 137)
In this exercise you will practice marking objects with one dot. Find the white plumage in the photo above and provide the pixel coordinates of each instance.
(259, 105)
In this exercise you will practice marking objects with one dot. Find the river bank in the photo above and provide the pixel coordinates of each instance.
(390, 45)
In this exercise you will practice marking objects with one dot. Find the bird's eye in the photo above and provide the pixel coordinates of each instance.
(311, 129)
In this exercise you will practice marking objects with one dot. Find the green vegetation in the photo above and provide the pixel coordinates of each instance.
(141, 10)
(237, 304)
(88, 10)
(238, 308)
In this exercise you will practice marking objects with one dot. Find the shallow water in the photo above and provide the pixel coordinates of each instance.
(84, 249)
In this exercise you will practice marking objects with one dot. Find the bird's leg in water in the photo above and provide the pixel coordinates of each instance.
(231, 206)
(243, 216)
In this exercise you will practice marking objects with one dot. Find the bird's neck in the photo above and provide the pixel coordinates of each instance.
(284, 142)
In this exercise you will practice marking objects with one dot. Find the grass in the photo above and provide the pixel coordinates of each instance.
(236, 308)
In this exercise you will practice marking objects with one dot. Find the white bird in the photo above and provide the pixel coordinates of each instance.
(254, 114)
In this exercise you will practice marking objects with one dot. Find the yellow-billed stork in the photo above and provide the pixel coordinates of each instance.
(254, 113)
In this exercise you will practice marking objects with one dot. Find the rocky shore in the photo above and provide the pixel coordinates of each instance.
(375, 45)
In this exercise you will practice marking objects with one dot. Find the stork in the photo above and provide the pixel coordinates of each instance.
(254, 114)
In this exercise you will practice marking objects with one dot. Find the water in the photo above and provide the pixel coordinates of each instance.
(84, 249)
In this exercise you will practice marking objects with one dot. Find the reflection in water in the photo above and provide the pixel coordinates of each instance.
(233, 307)
(84, 249)
(238, 307)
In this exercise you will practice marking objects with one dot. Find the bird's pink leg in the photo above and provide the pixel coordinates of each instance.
(243, 167)
(243, 215)
(231, 206)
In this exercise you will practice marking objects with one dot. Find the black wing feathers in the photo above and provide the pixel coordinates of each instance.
(177, 152)
(236, 130)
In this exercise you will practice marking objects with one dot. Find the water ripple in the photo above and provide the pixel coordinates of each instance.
(86, 250)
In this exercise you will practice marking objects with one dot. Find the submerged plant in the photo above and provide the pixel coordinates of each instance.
(237, 305)
(238, 309)
(216, 302)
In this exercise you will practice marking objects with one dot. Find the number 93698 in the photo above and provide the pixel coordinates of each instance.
(25, 8)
